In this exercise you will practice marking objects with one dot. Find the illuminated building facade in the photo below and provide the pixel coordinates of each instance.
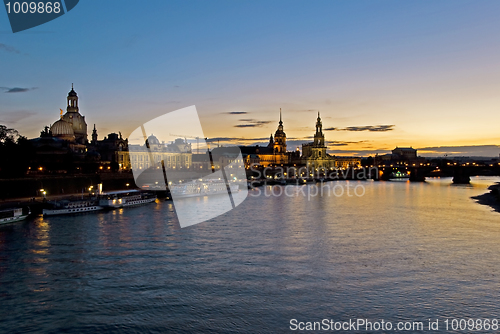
(176, 155)
(314, 154)
(273, 154)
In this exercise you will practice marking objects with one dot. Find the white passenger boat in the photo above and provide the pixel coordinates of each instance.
(72, 206)
(125, 198)
(13, 215)
(399, 176)
(198, 188)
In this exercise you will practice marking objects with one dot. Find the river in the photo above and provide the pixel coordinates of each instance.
(397, 251)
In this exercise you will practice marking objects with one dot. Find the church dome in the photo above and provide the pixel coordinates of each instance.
(152, 140)
(62, 129)
(72, 92)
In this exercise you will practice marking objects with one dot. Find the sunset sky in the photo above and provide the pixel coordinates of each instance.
(382, 74)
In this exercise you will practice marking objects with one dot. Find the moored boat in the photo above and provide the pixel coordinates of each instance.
(72, 206)
(13, 215)
(125, 198)
(399, 176)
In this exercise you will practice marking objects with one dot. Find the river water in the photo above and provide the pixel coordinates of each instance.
(400, 252)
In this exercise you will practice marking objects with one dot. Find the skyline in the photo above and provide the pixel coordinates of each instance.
(383, 74)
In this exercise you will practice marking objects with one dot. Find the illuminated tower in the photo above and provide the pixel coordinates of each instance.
(73, 116)
(319, 138)
(279, 145)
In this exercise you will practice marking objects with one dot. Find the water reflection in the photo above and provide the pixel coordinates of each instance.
(402, 251)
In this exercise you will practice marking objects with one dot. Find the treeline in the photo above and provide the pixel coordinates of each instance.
(15, 153)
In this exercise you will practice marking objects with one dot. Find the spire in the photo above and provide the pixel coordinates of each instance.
(281, 122)
(94, 135)
(319, 126)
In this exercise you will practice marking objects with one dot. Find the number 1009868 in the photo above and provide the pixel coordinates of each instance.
(33, 7)
(472, 324)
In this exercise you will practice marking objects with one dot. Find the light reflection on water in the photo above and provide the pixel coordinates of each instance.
(403, 251)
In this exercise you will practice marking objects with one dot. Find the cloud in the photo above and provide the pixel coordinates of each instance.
(8, 48)
(236, 112)
(234, 139)
(473, 150)
(344, 143)
(359, 153)
(491, 151)
(17, 89)
(13, 117)
(371, 128)
(251, 123)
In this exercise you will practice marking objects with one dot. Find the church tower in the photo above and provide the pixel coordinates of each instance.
(72, 101)
(319, 138)
(279, 145)
(74, 117)
(94, 136)
(318, 147)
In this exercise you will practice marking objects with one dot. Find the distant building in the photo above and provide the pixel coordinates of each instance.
(113, 150)
(399, 156)
(314, 154)
(74, 117)
(176, 155)
(273, 154)
(404, 153)
(346, 162)
(64, 147)
(279, 144)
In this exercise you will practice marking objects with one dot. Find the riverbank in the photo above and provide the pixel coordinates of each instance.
(61, 185)
(491, 198)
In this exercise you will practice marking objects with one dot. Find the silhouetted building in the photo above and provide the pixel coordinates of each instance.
(63, 147)
(113, 150)
(399, 156)
(74, 117)
(273, 154)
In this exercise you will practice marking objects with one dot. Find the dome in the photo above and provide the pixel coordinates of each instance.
(152, 140)
(62, 128)
(72, 92)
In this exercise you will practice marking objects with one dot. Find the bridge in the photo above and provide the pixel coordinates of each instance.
(461, 172)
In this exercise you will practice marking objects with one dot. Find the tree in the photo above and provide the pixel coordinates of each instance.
(8, 135)
(15, 152)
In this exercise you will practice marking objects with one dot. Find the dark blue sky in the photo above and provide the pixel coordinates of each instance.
(429, 68)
